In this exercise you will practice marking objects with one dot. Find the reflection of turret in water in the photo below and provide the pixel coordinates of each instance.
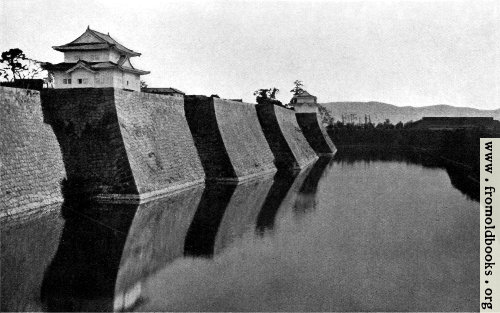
(82, 274)
(241, 214)
(156, 236)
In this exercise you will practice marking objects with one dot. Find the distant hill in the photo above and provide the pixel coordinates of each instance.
(379, 111)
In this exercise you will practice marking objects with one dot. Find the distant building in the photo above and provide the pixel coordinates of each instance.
(165, 91)
(453, 123)
(304, 102)
(96, 60)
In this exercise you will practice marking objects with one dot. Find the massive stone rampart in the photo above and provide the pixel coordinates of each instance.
(31, 167)
(118, 144)
(159, 146)
(229, 139)
(284, 135)
(315, 133)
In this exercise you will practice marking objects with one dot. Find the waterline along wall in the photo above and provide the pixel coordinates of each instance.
(288, 144)
(118, 144)
(31, 167)
(230, 142)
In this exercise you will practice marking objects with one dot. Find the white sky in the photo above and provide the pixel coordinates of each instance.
(401, 52)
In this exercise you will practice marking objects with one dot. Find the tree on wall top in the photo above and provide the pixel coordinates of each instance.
(267, 96)
(15, 65)
(298, 88)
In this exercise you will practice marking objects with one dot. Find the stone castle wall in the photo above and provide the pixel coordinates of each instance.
(200, 115)
(117, 144)
(284, 135)
(86, 125)
(315, 133)
(159, 146)
(31, 167)
(229, 139)
(123, 144)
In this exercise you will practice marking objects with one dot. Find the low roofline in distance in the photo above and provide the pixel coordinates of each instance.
(164, 89)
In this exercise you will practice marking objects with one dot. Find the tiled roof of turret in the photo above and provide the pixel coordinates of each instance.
(105, 42)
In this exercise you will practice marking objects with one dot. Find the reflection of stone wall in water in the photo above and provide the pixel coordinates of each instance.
(27, 249)
(203, 230)
(156, 236)
(230, 142)
(283, 195)
(241, 213)
(285, 138)
(123, 144)
(82, 274)
(31, 168)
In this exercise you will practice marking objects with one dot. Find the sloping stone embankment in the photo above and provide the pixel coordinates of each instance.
(31, 166)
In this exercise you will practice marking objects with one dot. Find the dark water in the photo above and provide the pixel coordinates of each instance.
(372, 231)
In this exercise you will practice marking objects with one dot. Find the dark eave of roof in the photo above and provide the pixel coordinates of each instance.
(64, 66)
(84, 46)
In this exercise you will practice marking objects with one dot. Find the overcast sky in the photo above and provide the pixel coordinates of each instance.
(400, 52)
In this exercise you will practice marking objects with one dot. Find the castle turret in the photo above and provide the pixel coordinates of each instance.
(96, 60)
(304, 102)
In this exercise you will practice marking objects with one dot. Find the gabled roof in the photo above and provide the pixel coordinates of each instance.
(91, 66)
(94, 40)
(81, 64)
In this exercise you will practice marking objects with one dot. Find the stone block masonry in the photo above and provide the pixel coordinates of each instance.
(315, 133)
(159, 145)
(284, 135)
(31, 166)
(118, 144)
(228, 137)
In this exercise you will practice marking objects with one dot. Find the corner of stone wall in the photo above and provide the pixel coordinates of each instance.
(31, 165)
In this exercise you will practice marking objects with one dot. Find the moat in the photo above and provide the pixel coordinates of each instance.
(371, 231)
